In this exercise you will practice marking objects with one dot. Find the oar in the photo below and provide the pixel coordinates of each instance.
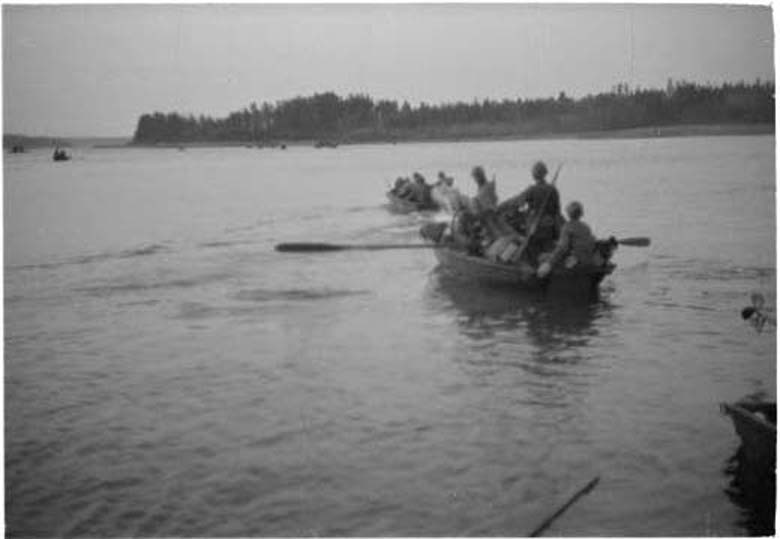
(304, 247)
(634, 242)
(577, 495)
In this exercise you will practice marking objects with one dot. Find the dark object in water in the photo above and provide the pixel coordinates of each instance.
(752, 468)
(756, 425)
(402, 205)
(576, 496)
(752, 493)
(755, 313)
(326, 144)
(17, 148)
(60, 155)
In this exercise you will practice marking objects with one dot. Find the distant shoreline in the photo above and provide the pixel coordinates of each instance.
(684, 130)
(411, 137)
(649, 132)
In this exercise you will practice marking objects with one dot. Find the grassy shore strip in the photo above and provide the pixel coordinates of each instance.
(504, 132)
(463, 134)
(683, 130)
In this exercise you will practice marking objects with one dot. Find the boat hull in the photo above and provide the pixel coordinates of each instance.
(479, 269)
(758, 435)
(400, 205)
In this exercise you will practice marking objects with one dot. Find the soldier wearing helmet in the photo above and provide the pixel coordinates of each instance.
(576, 243)
(544, 209)
(539, 172)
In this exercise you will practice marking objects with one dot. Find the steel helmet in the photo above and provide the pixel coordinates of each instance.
(574, 210)
(478, 173)
(539, 171)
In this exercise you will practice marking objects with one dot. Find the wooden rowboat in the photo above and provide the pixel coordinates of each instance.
(523, 275)
(756, 425)
(752, 468)
(401, 205)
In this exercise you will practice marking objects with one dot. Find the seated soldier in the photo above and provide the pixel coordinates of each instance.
(576, 243)
(422, 191)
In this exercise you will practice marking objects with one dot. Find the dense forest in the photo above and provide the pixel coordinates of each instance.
(358, 118)
(12, 140)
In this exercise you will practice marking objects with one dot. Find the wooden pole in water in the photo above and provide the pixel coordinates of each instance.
(577, 495)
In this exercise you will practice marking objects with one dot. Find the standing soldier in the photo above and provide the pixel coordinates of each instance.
(544, 211)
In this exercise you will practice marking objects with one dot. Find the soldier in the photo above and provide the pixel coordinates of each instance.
(544, 210)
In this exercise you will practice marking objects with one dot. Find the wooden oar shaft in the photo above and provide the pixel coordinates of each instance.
(315, 247)
(577, 495)
(634, 242)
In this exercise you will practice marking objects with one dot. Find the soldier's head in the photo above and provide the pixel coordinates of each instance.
(574, 210)
(478, 173)
(539, 171)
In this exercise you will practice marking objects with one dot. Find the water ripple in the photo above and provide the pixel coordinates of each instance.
(295, 294)
(142, 251)
(132, 287)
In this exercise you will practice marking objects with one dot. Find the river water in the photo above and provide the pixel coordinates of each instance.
(168, 373)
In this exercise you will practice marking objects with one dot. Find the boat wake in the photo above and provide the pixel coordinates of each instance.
(294, 294)
(132, 287)
(141, 251)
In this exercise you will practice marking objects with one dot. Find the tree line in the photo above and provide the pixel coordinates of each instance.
(358, 118)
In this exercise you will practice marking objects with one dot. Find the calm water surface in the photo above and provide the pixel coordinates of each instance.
(167, 373)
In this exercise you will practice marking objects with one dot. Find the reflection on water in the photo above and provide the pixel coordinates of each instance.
(536, 348)
(550, 324)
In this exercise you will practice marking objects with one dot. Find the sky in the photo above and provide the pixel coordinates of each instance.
(92, 69)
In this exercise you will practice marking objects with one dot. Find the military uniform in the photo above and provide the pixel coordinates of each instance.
(576, 240)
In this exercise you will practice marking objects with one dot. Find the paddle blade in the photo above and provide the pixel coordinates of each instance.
(634, 242)
(303, 247)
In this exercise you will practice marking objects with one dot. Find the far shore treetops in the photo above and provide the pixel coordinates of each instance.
(358, 118)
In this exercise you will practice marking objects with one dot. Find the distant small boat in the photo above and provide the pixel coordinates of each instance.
(756, 425)
(402, 205)
(18, 148)
(60, 155)
(326, 144)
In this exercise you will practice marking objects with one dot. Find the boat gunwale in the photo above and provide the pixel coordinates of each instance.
(525, 273)
(407, 206)
(738, 412)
